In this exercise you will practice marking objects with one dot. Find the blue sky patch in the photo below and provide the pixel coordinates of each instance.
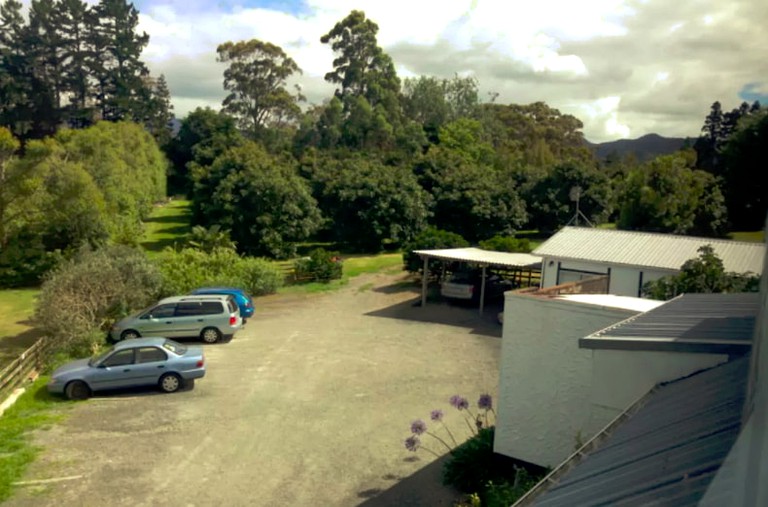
(750, 93)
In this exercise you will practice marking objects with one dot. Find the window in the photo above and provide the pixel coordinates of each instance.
(188, 309)
(211, 308)
(162, 311)
(232, 305)
(120, 358)
(176, 348)
(150, 355)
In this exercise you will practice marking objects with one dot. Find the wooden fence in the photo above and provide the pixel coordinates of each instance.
(23, 367)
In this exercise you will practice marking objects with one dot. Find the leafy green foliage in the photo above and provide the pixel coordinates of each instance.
(83, 296)
(471, 464)
(469, 198)
(552, 199)
(203, 136)
(257, 81)
(187, 269)
(369, 203)
(506, 244)
(705, 273)
(430, 239)
(666, 195)
(320, 266)
(745, 187)
(208, 239)
(261, 199)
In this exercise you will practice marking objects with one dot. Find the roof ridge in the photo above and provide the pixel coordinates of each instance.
(665, 234)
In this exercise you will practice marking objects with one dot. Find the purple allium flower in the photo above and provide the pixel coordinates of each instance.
(463, 404)
(456, 401)
(436, 415)
(418, 427)
(412, 443)
(485, 402)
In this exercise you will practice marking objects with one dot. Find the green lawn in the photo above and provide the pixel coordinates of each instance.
(354, 265)
(35, 409)
(168, 224)
(756, 237)
(16, 331)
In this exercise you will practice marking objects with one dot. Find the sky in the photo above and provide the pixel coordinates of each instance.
(624, 68)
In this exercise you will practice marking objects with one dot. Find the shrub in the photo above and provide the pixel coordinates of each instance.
(430, 239)
(190, 268)
(506, 244)
(470, 465)
(320, 266)
(83, 296)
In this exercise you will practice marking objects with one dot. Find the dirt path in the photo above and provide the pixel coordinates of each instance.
(308, 405)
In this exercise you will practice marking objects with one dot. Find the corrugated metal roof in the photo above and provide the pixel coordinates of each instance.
(646, 249)
(706, 320)
(480, 256)
(665, 453)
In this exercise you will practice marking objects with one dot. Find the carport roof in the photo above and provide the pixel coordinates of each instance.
(480, 256)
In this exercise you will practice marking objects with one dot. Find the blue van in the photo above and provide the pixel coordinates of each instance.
(242, 298)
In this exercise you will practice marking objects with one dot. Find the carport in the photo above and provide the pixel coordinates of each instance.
(479, 257)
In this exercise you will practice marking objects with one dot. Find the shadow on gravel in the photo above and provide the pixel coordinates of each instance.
(399, 287)
(444, 313)
(423, 488)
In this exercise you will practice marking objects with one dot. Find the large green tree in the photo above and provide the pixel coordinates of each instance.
(263, 201)
(667, 195)
(257, 81)
(745, 175)
(367, 86)
(552, 199)
(119, 72)
(369, 204)
(204, 135)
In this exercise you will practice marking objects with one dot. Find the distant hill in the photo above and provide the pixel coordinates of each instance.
(644, 148)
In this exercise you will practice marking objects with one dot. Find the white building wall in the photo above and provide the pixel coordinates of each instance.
(623, 376)
(551, 392)
(545, 383)
(625, 280)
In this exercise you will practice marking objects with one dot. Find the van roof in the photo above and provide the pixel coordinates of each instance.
(208, 297)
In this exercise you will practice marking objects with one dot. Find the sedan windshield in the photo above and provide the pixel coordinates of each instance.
(100, 357)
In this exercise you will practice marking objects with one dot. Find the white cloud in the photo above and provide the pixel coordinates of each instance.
(620, 65)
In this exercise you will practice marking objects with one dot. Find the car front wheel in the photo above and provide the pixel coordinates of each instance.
(170, 383)
(77, 390)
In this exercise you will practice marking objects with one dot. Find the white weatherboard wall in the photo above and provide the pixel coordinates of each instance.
(545, 380)
(553, 393)
(624, 280)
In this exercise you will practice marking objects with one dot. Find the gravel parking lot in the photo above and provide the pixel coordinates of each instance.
(308, 405)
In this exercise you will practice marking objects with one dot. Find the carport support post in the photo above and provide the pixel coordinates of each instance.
(424, 272)
(482, 290)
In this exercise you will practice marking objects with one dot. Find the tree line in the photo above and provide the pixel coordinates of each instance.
(72, 64)
(373, 166)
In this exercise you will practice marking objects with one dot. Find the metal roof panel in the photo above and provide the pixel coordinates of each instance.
(647, 249)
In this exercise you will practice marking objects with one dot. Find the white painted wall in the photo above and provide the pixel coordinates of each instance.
(545, 380)
(625, 280)
(551, 391)
(622, 376)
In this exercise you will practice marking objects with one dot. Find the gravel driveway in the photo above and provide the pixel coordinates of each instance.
(308, 405)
